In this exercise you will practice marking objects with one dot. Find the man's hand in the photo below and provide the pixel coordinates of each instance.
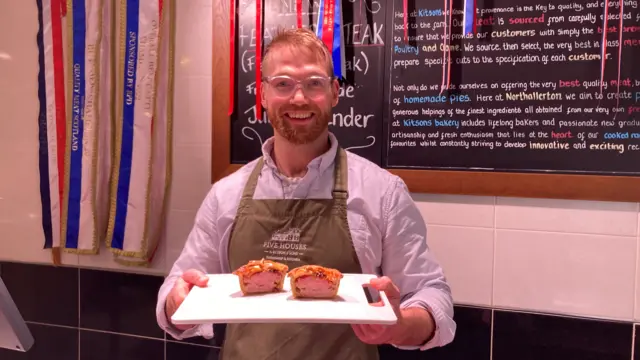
(180, 290)
(414, 325)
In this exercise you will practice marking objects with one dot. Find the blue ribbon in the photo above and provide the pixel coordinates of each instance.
(320, 19)
(337, 52)
(77, 123)
(469, 11)
(337, 41)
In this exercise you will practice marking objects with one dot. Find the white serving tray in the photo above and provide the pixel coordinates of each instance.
(222, 302)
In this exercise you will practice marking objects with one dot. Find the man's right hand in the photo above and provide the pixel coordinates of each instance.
(180, 290)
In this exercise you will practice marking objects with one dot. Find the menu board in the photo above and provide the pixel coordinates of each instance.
(536, 87)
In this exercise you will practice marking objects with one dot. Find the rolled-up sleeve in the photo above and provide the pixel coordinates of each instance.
(408, 262)
(200, 252)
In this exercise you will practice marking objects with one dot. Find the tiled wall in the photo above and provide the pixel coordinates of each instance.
(563, 257)
(95, 314)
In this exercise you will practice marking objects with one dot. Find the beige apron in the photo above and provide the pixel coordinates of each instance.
(295, 232)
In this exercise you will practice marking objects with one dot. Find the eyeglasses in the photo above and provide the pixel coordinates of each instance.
(312, 87)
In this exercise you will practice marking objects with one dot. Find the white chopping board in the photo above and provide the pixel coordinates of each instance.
(223, 302)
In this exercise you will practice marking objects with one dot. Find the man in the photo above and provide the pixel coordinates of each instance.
(367, 223)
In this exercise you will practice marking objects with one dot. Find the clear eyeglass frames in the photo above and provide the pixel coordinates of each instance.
(312, 86)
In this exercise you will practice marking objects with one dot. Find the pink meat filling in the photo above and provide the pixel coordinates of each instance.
(311, 286)
(262, 281)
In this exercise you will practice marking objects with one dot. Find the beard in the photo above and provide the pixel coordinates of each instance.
(303, 133)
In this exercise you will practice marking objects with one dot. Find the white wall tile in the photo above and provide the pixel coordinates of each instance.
(192, 116)
(23, 241)
(194, 38)
(466, 256)
(180, 223)
(191, 176)
(580, 274)
(104, 260)
(572, 216)
(458, 210)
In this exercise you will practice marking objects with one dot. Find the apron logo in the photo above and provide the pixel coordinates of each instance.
(291, 235)
(285, 245)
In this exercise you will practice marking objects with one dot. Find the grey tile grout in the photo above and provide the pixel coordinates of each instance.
(164, 339)
(192, 344)
(491, 335)
(633, 342)
(79, 312)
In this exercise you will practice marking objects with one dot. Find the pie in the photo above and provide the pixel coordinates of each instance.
(261, 276)
(314, 281)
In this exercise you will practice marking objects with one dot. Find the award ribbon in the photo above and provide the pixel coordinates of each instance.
(143, 133)
(258, 59)
(232, 52)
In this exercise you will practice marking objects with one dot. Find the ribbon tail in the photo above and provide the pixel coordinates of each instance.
(320, 17)
(444, 37)
(343, 57)
(467, 19)
(475, 14)
(232, 28)
(619, 53)
(449, 45)
(258, 58)
(337, 42)
(603, 60)
(299, 13)
(405, 8)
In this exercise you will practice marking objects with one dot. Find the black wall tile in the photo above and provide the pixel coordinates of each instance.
(525, 336)
(217, 341)
(472, 340)
(96, 345)
(119, 302)
(180, 351)
(50, 343)
(43, 293)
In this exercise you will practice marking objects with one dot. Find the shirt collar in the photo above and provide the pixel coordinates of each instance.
(321, 163)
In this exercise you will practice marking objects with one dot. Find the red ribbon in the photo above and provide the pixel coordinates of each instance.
(299, 12)
(449, 44)
(604, 43)
(446, 52)
(258, 57)
(405, 7)
(232, 42)
(328, 23)
(620, 51)
(63, 7)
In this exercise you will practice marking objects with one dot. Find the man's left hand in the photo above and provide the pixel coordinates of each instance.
(383, 334)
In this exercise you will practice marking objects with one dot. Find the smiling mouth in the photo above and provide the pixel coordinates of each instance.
(298, 116)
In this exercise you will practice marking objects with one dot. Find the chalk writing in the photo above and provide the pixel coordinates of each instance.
(525, 90)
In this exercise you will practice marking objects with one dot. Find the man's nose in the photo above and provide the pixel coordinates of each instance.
(298, 96)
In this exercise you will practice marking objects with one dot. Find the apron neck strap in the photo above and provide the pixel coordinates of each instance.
(252, 182)
(340, 178)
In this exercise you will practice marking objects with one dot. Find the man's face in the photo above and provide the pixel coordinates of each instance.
(300, 114)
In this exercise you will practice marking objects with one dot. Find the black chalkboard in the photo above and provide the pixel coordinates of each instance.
(358, 117)
(524, 92)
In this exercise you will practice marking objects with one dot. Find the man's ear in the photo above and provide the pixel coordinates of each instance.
(335, 92)
(263, 98)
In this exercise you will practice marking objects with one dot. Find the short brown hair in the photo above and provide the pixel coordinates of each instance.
(302, 39)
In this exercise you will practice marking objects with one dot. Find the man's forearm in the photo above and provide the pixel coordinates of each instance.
(418, 327)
